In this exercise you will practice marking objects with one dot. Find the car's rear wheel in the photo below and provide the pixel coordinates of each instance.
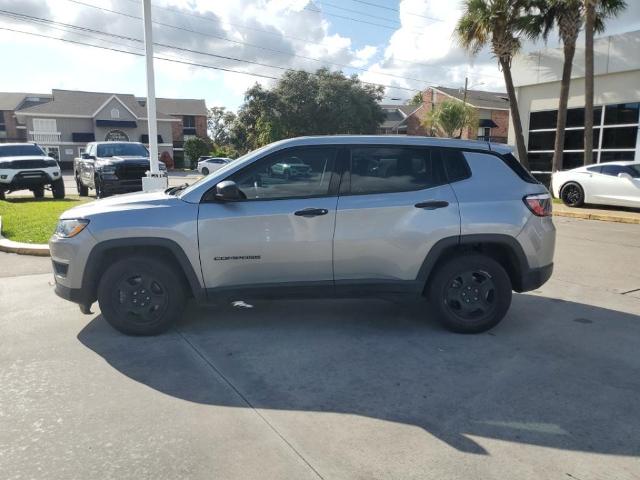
(141, 295)
(38, 192)
(57, 188)
(572, 194)
(83, 190)
(205, 171)
(470, 293)
(2, 195)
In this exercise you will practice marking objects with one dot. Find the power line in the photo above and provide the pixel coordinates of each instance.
(170, 59)
(385, 7)
(268, 32)
(261, 47)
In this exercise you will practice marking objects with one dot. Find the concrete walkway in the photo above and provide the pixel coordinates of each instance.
(607, 214)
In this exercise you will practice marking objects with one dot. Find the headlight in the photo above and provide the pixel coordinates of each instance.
(51, 163)
(70, 228)
(162, 166)
(107, 168)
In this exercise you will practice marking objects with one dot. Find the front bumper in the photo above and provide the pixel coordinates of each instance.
(69, 257)
(25, 179)
(114, 186)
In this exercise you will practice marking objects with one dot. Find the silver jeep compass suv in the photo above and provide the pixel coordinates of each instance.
(460, 222)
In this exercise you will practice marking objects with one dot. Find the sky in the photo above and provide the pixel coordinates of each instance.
(405, 45)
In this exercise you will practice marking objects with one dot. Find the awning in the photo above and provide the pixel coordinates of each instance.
(144, 138)
(116, 123)
(487, 122)
(83, 137)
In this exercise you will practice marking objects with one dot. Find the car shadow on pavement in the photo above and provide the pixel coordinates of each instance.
(554, 373)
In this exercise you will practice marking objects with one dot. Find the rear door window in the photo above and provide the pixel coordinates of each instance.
(392, 169)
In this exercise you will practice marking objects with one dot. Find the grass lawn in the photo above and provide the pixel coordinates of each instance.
(33, 221)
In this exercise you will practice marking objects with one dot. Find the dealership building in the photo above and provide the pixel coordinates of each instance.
(617, 102)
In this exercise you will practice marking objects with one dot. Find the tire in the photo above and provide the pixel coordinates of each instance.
(99, 192)
(57, 189)
(470, 293)
(572, 194)
(205, 171)
(38, 192)
(141, 295)
(83, 190)
(2, 195)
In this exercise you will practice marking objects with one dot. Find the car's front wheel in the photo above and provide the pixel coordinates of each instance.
(470, 293)
(57, 188)
(83, 190)
(572, 194)
(38, 192)
(141, 295)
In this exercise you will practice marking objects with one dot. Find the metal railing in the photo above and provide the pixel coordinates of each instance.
(44, 137)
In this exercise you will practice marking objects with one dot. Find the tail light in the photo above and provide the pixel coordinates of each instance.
(539, 204)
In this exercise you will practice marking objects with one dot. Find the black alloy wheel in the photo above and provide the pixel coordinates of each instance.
(572, 195)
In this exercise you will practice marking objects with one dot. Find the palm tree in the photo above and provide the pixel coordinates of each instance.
(451, 117)
(568, 16)
(589, 25)
(499, 24)
(594, 21)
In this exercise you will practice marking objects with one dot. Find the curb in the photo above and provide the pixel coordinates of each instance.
(597, 216)
(9, 246)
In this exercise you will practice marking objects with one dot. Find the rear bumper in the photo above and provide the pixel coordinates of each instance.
(535, 278)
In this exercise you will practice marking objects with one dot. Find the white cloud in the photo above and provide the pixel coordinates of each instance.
(364, 55)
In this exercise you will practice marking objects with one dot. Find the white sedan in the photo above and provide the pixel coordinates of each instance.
(208, 165)
(612, 183)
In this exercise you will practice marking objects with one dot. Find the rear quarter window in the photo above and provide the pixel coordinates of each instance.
(513, 163)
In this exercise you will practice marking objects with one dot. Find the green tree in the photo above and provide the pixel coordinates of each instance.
(451, 117)
(568, 17)
(196, 147)
(303, 103)
(416, 100)
(219, 122)
(498, 24)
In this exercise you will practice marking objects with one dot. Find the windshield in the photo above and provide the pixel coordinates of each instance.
(115, 149)
(20, 150)
(635, 170)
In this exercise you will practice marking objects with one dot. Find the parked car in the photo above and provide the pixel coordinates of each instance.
(112, 167)
(211, 164)
(460, 222)
(612, 183)
(291, 167)
(25, 166)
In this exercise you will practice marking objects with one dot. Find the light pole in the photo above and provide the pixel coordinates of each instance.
(154, 179)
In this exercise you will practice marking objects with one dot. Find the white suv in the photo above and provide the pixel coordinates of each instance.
(24, 166)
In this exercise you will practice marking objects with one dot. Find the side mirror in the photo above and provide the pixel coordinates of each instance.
(625, 175)
(227, 191)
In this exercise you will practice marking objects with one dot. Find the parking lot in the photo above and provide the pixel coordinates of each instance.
(332, 389)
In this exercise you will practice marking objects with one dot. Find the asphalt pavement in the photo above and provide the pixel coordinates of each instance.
(332, 389)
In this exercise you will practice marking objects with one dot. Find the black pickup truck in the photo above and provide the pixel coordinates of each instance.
(112, 167)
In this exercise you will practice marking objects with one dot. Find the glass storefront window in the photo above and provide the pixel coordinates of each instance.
(621, 113)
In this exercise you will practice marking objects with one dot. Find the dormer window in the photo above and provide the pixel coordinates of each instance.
(115, 113)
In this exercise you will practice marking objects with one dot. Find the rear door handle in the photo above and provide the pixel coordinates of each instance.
(311, 212)
(432, 205)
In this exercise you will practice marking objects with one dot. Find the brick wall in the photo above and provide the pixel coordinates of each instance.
(500, 118)
(201, 126)
(176, 129)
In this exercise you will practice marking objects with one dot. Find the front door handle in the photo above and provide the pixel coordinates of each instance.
(311, 212)
(432, 205)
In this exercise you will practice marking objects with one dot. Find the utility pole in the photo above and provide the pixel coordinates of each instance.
(154, 179)
(466, 85)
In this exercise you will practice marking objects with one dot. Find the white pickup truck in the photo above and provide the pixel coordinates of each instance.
(24, 166)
